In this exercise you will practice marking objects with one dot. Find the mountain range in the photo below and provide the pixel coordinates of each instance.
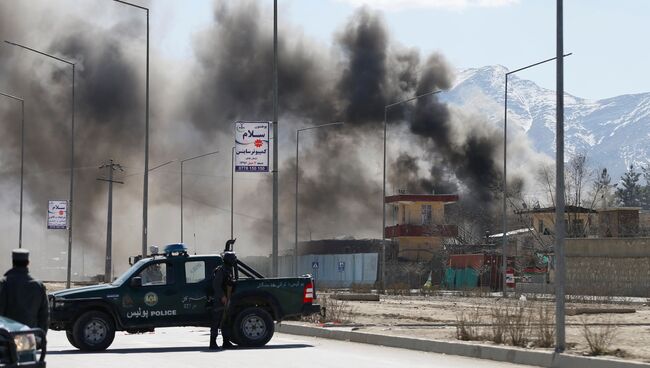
(614, 132)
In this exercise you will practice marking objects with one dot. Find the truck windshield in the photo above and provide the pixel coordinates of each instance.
(125, 276)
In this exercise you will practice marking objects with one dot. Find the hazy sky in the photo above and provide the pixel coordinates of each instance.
(608, 38)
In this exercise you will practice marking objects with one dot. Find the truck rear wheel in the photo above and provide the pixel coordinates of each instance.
(253, 327)
(94, 331)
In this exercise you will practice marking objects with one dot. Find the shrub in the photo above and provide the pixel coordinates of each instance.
(498, 324)
(599, 338)
(544, 326)
(518, 326)
(332, 310)
(467, 326)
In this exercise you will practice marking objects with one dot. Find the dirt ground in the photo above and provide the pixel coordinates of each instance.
(435, 317)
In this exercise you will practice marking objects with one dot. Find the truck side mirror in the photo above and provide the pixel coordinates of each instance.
(136, 281)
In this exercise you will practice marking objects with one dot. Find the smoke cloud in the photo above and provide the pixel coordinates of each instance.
(432, 147)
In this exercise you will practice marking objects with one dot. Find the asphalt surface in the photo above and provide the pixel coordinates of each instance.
(186, 347)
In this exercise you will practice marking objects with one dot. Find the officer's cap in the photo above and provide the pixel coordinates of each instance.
(20, 255)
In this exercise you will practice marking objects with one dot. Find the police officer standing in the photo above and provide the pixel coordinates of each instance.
(23, 298)
(223, 284)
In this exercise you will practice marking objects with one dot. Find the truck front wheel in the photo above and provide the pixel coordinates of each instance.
(94, 331)
(253, 327)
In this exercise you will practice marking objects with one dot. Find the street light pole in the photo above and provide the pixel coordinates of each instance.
(145, 192)
(22, 163)
(295, 244)
(182, 162)
(504, 263)
(274, 245)
(232, 192)
(71, 196)
(383, 193)
(559, 187)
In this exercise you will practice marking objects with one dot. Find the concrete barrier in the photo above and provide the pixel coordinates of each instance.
(356, 297)
(498, 353)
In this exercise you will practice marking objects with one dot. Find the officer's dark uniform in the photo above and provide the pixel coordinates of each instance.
(22, 298)
(222, 281)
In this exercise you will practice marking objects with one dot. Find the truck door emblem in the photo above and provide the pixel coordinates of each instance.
(127, 302)
(151, 299)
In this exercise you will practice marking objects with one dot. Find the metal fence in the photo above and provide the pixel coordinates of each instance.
(335, 270)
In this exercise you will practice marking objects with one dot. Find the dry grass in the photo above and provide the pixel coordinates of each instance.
(544, 326)
(599, 338)
(332, 310)
(518, 324)
(467, 326)
(361, 288)
(498, 324)
(398, 288)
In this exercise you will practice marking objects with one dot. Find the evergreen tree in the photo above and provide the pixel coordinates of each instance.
(645, 190)
(629, 192)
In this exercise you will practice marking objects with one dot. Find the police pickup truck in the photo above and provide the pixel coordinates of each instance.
(175, 289)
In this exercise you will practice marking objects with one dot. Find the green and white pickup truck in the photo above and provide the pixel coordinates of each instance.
(175, 289)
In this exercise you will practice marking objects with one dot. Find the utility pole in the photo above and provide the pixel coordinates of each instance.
(232, 192)
(274, 249)
(109, 223)
(560, 271)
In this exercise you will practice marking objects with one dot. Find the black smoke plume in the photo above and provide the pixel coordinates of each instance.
(439, 149)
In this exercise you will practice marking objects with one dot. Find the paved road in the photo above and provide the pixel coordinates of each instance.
(185, 347)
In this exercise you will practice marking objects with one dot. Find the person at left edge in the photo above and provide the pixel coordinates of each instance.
(22, 298)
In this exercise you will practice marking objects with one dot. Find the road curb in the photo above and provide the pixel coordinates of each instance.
(497, 353)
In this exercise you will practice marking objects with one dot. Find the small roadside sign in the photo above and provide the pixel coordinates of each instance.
(510, 278)
(341, 266)
(314, 265)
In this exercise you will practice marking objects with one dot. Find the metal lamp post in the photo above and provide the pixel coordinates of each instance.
(274, 243)
(71, 155)
(383, 193)
(145, 192)
(504, 263)
(295, 244)
(182, 162)
(560, 335)
(232, 192)
(22, 163)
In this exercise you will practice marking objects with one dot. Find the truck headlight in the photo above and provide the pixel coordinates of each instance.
(25, 342)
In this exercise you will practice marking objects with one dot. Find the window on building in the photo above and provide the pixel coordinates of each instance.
(194, 272)
(426, 214)
(541, 227)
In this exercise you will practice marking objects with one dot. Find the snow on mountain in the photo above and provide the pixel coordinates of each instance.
(613, 132)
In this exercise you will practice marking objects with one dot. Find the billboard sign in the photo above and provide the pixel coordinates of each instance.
(252, 146)
(57, 214)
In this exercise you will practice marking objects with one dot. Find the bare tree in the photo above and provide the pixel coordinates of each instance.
(547, 177)
(576, 176)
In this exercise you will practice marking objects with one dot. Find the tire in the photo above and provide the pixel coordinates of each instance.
(70, 336)
(253, 327)
(94, 331)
